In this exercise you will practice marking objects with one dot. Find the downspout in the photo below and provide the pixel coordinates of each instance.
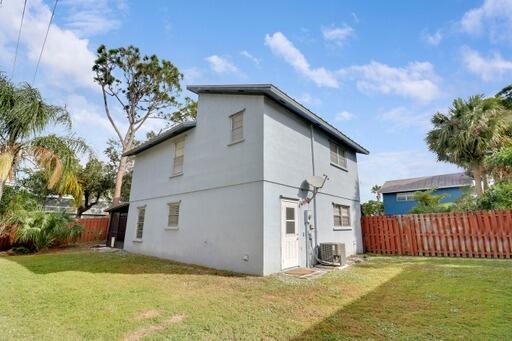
(308, 232)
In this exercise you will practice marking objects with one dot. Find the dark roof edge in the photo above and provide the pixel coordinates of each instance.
(285, 100)
(170, 133)
(115, 207)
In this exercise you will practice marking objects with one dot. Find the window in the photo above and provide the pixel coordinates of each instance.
(174, 214)
(140, 222)
(405, 196)
(338, 155)
(290, 220)
(237, 127)
(179, 151)
(341, 215)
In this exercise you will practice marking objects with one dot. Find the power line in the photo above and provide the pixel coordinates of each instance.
(44, 42)
(19, 36)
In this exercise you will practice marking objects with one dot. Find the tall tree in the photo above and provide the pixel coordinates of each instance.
(24, 117)
(96, 184)
(505, 95)
(143, 87)
(375, 190)
(468, 132)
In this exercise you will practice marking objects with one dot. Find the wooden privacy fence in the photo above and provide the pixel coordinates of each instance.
(483, 234)
(95, 229)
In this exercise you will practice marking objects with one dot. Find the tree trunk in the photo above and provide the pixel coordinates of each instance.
(119, 180)
(477, 173)
(2, 185)
(485, 182)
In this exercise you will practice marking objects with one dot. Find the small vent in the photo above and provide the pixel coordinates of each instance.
(333, 253)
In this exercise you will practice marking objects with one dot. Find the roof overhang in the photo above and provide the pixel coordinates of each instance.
(168, 134)
(282, 98)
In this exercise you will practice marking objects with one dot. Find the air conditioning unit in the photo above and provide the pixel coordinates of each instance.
(333, 253)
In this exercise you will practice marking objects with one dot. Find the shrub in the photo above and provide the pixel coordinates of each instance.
(372, 207)
(428, 202)
(499, 196)
(43, 229)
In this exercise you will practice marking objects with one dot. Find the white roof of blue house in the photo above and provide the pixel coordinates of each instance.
(427, 182)
(273, 92)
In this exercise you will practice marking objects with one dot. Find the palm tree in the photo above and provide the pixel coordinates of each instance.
(24, 116)
(468, 132)
(375, 190)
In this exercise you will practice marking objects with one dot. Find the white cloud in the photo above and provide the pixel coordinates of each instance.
(67, 59)
(221, 65)
(379, 167)
(283, 48)
(433, 39)
(192, 75)
(401, 118)
(493, 18)
(306, 98)
(337, 35)
(355, 17)
(89, 17)
(249, 56)
(344, 116)
(417, 80)
(487, 68)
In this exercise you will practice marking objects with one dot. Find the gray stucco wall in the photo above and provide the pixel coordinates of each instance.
(287, 163)
(220, 191)
(230, 195)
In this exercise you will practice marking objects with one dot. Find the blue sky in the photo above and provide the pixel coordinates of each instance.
(375, 70)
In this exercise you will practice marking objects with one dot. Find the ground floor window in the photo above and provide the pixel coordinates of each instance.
(341, 215)
(173, 214)
(140, 222)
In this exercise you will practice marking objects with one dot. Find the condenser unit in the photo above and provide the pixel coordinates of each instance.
(333, 253)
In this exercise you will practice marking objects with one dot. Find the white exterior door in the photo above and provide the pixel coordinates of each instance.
(289, 234)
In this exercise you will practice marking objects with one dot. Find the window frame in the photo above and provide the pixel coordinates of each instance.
(139, 225)
(338, 211)
(174, 173)
(232, 118)
(169, 205)
(407, 196)
(340, 153)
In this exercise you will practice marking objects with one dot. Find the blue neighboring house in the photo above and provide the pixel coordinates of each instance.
(398, 194)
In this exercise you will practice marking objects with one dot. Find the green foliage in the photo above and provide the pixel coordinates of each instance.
(24, 117)
(466, 202)
(375, 190)
(96, 182)
(499, 164)
(372, 207)
(428, 202)
(498, 197)
(506, 96)
(15, 199)
(44, 229)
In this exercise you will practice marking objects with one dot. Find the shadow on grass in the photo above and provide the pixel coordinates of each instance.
(110, 262)
(428, 299)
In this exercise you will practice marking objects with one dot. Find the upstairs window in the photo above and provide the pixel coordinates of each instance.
(338, 156)
(174, 214)
(341, 215)
(237, 127)
(140, 222)
(405, 196)
(179, 152)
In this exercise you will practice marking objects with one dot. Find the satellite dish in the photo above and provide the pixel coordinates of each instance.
(315, 181)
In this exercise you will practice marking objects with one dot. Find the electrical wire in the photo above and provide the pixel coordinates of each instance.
(19, 36)
(44, 42)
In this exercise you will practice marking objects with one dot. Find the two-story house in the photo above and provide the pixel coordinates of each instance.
(227, 191)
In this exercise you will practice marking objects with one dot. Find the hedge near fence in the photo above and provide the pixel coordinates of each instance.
(482, 234)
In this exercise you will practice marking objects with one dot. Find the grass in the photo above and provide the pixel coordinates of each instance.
(85, 295)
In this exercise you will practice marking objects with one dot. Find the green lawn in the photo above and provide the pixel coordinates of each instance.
(83, 295)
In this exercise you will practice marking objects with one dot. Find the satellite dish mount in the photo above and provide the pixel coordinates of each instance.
(316, 182)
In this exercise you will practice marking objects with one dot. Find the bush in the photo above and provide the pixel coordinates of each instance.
(372, 207)
(44, 229)
(428, 202)
(498, 197)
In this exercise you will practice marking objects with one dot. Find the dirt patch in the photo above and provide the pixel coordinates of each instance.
(152, 329)
(147, 314)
